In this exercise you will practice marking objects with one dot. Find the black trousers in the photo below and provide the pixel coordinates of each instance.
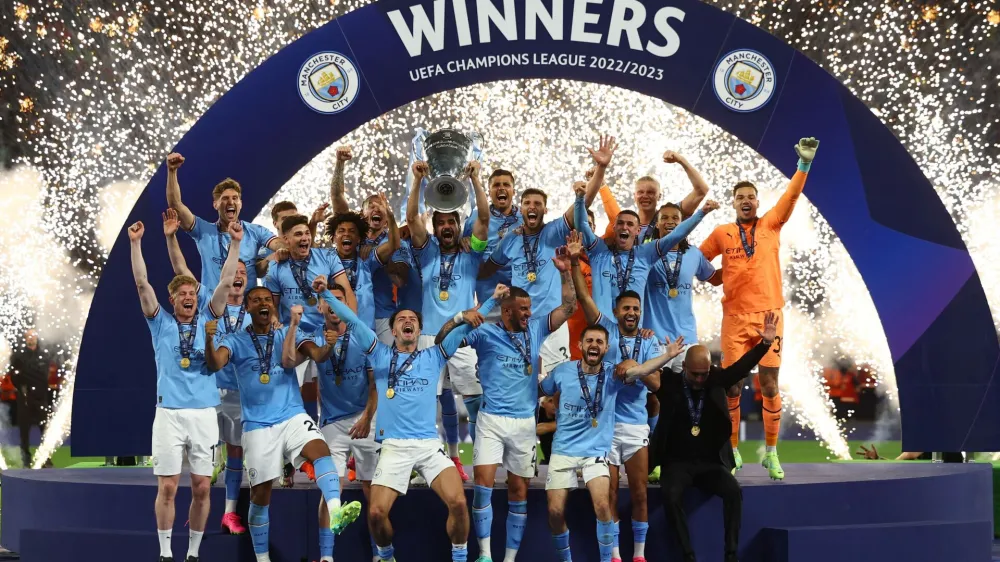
(712, 478)
(32, 409)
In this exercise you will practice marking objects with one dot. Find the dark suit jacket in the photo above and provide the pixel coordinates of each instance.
(671, 395)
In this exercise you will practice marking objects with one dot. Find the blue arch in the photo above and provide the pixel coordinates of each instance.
(920, 275)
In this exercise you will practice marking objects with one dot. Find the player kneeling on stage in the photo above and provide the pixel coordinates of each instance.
(585, 428)
(406, 381)
(275, 423)
(691, 442)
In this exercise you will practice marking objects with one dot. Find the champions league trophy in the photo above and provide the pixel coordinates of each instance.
(447, 152)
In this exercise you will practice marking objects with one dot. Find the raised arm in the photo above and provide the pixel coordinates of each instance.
(580, 216)
(475, 317)
(337, 197)
(174, 162)
(228, 274)
(574, 247)
(699, 187)
(562, 313)
(317, 353)
(215, 358)
(611, 209)
(418, 230)
(147, 297)
(682, 230)
(480, 228)
(806, 149)
(290, 356)
(602, 157)
(386, 249)
(651, 368)
(453, 340)
(365, 335)
(741, 368)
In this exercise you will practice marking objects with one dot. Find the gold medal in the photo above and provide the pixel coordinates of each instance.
(443, 295)
(390, 394)
(672, 293)
(338, 380)
(185, 362)
(532, 277)
(593, 422)
(312, 301)
(527, 370)
(265, 378)
(695, 430)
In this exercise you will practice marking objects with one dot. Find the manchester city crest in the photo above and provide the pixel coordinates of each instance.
(328, 82)
(744, 80)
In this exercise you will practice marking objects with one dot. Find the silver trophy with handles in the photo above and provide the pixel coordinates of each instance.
(447, 152)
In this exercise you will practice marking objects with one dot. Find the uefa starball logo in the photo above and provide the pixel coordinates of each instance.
(744, 80)
(328, 82)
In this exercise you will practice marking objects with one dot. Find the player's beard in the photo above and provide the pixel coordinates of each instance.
(592, 357)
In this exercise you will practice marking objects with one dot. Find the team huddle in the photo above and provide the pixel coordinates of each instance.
(395, 320)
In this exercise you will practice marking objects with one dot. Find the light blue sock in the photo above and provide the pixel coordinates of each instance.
(449, 416)
(374, 546)
(459, 552)
(259, 526)
(606, 539)
(328, 482)
(639, 529)
(617, 532)
(326, 538)
(472, 405)
(482, 514)
(652, 422)
(562, 546)
(517, 520)
(234, 477)
(385, 552)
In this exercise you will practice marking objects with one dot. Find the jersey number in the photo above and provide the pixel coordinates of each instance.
(213, 448)
(310, 426)
(776, 348)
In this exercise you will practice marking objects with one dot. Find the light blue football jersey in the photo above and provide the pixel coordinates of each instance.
(213, 247)
(508, 388)
(575, 434)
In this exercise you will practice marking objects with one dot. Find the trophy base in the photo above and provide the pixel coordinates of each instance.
(446, 194)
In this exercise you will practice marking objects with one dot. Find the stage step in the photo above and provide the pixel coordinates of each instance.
(86, 545)
(918, 541)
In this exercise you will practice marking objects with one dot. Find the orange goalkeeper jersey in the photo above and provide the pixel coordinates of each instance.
(754, 284)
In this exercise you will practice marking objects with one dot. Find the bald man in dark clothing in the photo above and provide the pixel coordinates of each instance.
(691, 441)
(30, 375)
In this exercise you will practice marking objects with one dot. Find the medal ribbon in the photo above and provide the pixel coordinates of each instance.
(187, 341)
(524, 350)
(623, 347)
(352, 272)
(264, 355)
(649, 234)
(623, 277)
(223, 248)
(595, 406)
(299, 271)
(531, 252)
(694, 412)
(230, 327)
(341, 357)
(508, 220)
(673, 276)
(393, 373)
(377, 241)
(444, 275)
(748, 249)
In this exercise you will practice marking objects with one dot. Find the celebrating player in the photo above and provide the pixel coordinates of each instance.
(751, 285)
(584, 431)
(624, 265)
(530, 254)
(290, 281)
(406, 377)
(233, 313)
(275, 423)
(347, 405)
(631, 433)
(509, 367)
(505, 217)
(449, 275)
(186, 397)
(212, 239)
(647, 197)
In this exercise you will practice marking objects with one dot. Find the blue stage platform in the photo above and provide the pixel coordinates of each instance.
(833, 512)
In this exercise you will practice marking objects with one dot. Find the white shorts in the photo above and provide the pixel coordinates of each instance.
(506, 441)
(461, 373)
(400, 457)
(230, 417)
(383, 331)
(194, 431)
(365, 451)
(303, 372)
(629, 439)
(562, 471)
(677, 363)
(555, 349)
(265, 449)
